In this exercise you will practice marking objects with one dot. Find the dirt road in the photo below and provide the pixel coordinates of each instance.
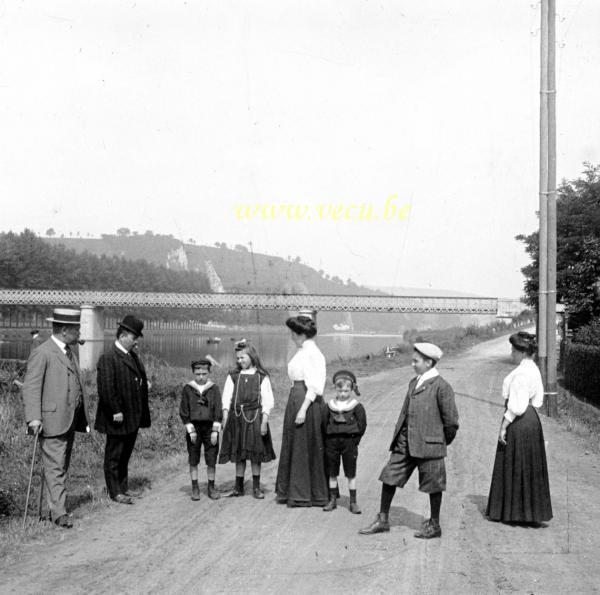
(166, 543)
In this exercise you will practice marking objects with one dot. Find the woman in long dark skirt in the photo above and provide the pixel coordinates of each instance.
(301, 478)
(520, 491)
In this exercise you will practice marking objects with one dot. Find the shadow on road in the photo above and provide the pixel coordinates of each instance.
(481, 400)
(480, 502)
(400, 516)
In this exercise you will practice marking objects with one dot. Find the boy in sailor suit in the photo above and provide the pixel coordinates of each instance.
(201, 412)
(345, 424)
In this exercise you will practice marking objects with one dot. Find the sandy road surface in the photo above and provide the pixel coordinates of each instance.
(166, 543)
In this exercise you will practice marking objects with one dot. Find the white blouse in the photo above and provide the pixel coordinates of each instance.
(266, 392)
(522, 387)
(308, 364)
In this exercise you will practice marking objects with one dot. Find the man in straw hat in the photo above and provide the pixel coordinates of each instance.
(55, 405)
(122, 406)
(427, 424)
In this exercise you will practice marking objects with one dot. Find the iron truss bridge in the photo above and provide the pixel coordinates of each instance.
(250, 301)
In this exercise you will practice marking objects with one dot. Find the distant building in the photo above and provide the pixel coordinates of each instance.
(508, 308)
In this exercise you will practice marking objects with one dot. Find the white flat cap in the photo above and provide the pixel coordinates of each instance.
(429, 350)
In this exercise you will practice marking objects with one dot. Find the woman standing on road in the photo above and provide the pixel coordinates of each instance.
(520, 490)
(301, 478)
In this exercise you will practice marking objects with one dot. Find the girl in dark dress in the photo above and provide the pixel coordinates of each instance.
(301, 477)
(520, 490)
(247, 404)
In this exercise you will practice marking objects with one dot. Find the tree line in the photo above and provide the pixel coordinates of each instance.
(578, 254)
(27, 262)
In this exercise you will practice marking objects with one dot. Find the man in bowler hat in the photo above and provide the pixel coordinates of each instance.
(122, 406)
(55, 405)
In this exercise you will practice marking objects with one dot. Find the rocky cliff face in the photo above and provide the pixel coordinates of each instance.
(177, 259)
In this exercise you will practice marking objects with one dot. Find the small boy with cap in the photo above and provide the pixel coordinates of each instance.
(345, 424)
(428, 422)
(201, 411)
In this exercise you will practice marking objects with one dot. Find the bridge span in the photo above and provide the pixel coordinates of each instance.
(92, 304)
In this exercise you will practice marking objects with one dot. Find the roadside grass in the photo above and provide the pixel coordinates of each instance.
(580, 418)
(451, 341)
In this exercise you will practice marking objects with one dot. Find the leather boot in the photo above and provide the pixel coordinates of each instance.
(380, 525)
(256, 491)
(429, 530)
(238, 490)
(331, 505)
(195, 491)
(355, 508)
(213, 493)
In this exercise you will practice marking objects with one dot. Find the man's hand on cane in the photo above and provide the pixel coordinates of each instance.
(34, 426)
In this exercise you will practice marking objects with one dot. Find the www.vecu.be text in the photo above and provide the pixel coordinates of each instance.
(391, 210)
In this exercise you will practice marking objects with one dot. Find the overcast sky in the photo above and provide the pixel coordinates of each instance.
(169, 115)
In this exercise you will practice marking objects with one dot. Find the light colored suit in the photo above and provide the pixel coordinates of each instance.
(51, 393)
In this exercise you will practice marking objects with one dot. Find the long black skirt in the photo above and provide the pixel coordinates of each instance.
(520, 491)
(242, 440)
(301, 478)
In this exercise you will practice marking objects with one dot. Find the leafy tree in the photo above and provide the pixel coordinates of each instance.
(578, 249)
(50, 232)
(123, 232)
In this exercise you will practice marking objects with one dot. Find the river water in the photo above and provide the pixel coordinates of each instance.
(274, 345)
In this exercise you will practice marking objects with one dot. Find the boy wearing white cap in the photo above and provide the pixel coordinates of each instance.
(428, 422)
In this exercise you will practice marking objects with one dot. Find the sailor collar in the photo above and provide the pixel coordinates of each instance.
(342, 406)
(201, 389)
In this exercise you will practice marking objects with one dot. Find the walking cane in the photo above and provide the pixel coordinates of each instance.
(41, 502)
(35, 443)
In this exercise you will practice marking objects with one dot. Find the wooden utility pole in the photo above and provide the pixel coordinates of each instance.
(551, 392)
(543, 233)
(547, 235)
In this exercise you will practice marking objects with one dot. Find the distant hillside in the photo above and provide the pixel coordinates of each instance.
(236, 267)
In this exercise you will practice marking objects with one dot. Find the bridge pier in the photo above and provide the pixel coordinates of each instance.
(92, 331)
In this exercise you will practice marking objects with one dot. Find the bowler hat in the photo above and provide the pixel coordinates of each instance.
(132, 324)
(65, 316)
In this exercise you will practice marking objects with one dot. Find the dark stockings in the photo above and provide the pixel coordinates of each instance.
(387, 495)
(435, 502)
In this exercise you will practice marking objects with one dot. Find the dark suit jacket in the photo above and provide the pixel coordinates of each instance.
(122, 387)
(194, 407)
(51, 390)
(432, 418)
